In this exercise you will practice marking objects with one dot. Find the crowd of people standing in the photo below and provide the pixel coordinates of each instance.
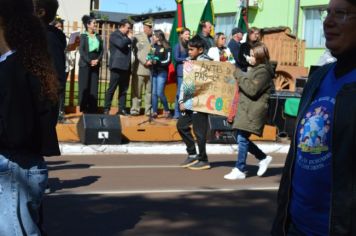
(316, 194)
(142, 61)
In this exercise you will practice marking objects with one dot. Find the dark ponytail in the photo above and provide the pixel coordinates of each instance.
(162, 38)
(86, 19)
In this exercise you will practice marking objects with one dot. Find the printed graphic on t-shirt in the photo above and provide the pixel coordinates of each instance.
(314, 135)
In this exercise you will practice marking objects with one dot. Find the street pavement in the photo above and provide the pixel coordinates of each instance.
(127, 194)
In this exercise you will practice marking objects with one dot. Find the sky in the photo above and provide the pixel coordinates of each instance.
(136, 6)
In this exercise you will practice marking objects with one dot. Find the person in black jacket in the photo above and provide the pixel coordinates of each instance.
(317, 191)
(120, 62)
(205, 34)
(46, 10)
(253, 36)
(91, 53)
(58, 23)
(28, 97)
(160, 61)
(235, 44)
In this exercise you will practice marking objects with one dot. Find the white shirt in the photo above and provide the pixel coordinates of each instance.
(214, 53)
(4, 56)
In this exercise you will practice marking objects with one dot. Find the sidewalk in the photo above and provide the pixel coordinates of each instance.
(162, 148)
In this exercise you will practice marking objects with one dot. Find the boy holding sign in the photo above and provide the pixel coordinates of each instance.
(198, 120)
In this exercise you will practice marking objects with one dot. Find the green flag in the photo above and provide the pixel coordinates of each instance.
(208, 15)
(243, 22)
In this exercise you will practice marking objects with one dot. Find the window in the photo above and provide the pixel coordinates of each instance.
(94, 5)
(225, 23)
(313, 27)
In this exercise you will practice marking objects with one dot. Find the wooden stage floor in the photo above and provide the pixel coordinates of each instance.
(138, 128)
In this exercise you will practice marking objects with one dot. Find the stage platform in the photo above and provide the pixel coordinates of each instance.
(139, 128)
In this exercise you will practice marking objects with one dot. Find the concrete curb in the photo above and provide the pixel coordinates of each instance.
(162, 148)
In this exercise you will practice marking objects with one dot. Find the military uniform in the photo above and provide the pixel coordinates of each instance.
(140, 73)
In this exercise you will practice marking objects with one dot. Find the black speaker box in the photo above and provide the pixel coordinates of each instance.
(300, 82)
(276, 115)
(99, 129)
(220, 131)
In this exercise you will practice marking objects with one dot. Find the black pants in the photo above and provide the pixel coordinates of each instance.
(293, 231)
(62, 95)
(200, 125)
(88, 88)
(119, 78)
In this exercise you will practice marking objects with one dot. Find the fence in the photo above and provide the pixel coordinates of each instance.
(104, 29)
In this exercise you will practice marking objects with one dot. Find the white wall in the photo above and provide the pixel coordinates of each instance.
(73, 10)
(163, 24)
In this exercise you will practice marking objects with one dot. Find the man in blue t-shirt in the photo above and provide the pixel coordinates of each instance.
(311, 180)
(317, 192)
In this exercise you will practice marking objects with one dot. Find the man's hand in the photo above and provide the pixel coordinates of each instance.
(148, 64)
(130, 35)
(94, 62)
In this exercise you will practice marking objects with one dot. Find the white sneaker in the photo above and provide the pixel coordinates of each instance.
(263, 165)
(235, 174)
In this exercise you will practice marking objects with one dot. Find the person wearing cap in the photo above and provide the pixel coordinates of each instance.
(141, 72)
(235, 43)
(120, 65)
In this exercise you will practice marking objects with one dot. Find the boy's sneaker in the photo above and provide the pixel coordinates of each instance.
(263, 165)
(200, 165)
(235, 174)
(191, 160)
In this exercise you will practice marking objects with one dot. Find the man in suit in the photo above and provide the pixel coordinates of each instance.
(141, 72)
(119, 64)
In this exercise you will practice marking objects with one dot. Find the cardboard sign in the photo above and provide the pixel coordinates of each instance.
(211, 84)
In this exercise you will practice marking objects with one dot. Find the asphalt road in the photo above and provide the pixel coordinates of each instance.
(152, 195)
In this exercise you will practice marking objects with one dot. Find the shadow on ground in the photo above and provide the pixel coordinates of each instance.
(243, 213)
(56, 184)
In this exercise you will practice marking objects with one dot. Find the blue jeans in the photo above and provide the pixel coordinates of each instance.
(176, 105)
(245, 146)
(23, 180)
(158, 84)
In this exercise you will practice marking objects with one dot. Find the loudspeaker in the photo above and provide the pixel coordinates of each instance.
(99, 129)
(276, 115)
(220, 131)
(300, 82)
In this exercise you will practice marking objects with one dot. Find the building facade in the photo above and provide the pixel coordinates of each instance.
(306, 22)
(73, 11)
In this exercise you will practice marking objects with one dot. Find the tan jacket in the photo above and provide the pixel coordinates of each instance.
(141, 47)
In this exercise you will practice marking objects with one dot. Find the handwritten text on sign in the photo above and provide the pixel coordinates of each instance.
(212, 85)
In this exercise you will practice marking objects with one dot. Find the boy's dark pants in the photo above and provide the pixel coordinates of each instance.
(200, 125)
